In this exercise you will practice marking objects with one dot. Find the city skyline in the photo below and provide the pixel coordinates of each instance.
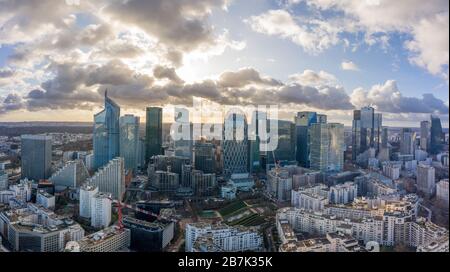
(298, 54)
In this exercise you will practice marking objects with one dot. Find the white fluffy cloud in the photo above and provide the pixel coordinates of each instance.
(349, 66)
(426, 26)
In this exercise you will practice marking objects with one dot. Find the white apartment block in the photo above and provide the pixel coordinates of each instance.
(225, 238)
(101, 210)
(45, 199)
(313, 198)
(110, 178)
(343, 193)
(392, 170)
(87, 192)
(111, 239)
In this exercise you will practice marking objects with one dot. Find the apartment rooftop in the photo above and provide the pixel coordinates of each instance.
(101, 236)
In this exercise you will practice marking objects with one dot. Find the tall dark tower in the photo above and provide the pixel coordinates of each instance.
(153, 133)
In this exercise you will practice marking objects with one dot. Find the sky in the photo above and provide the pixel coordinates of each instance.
(57, 57)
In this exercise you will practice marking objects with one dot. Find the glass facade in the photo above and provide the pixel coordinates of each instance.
(36, 156)
(129, 141)
(235, 145)
(437, 135)
(303, 122)
(367, 131)
(106, 133)
(153, 133)
(327, 147)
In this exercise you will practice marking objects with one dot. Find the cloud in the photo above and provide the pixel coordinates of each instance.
(12, 102)
(161, 72)
(426, 26)
(244, 77)
(349, 66)
(319, 36)
(179, 23)
(312, 78)
(388, 98)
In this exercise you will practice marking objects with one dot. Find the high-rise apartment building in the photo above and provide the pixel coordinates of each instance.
(101, 210)
(71, 175)
(110, 178)
(36, 156)
(129, 141)
(153, 132)
(106, 133)
(204, 157)
(87, 192)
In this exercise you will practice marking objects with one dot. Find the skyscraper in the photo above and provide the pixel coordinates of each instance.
(153, 133)
(106, 133)
(235, 145)
(204, 158)
(426, 183)
(36, 156)
(366, 131)
(327, 147)
(437, 135)
(129, 141)
(303, 122)
(425, 135)
(407, 141)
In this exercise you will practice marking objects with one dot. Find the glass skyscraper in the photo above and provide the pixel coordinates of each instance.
(36, 156)
(106, 133)
(366, 131)
(303, 122)
(437, 135)
(153, 133)
(235, 145)
(129, 141)
(327, 147)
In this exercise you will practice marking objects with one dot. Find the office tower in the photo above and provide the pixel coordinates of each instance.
(71, 175)
(183, 145)
(87, 192)
(442, 191)
(129, 141)
(303, 122)
(36, 156)
(106, 136)
(255, 142)
(149, 236)
(366, 131)
(437, 135)
(203, 184)
(141, 153)
(322, 119)
(285, 151)
(204, 158)
(407, 141)
(426, 179)
(385, 137)
(425, 135)
(3, 180)
(110, 178)
(100, 210)
(153, 133)
(165, 182)
(327, 147)
(235, 145)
